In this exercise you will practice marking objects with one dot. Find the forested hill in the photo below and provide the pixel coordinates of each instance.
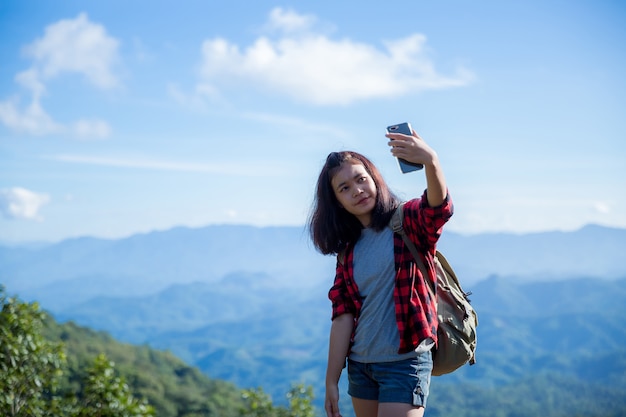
(52, 369)
(172, 387)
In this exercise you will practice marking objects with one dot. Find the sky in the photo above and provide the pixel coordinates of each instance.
(121, 117)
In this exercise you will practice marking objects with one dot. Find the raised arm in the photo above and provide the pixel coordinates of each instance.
(414, 149)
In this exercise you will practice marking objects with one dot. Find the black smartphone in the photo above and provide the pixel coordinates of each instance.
(405, 166)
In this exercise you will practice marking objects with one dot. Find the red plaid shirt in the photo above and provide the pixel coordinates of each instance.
(416, 313)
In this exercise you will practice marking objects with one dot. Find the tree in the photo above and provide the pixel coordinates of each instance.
(107, 395)
(31, 368)
(259, 404)
(301, 401)
(30, 365)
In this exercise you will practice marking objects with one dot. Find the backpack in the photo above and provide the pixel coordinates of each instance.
(456, 335)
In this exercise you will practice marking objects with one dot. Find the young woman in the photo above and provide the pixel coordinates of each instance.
(382, 324)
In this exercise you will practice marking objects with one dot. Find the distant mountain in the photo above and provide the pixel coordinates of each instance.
(76, 270)
(187, 307)
(592, 251)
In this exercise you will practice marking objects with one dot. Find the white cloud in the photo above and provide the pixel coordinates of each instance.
(297, 124)
(20, 203)
(137, 163)
(601, 207)
(289, 21)
(194, 101)
(76, 46)
(32, 119)
(31, 80)
(69, 46)
(222, 168)
(313, 68)
(91, 129)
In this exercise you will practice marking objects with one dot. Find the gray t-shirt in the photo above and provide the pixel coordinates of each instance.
(376, 337)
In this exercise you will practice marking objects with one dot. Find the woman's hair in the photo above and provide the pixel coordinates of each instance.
(331, 227)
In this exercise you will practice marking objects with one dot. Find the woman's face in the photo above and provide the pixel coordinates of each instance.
(355, 190)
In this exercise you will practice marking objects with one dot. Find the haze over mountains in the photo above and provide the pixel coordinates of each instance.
(147, 263)
(249, 305)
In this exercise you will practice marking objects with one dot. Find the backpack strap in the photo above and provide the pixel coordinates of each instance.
(341, 256)
(396, 226)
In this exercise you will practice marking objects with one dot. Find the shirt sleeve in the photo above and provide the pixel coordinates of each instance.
(339, 294)
(424, 222)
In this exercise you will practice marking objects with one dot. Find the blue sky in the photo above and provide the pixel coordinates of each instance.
(126, 117)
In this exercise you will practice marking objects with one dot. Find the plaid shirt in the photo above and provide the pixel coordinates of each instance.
(416, 312)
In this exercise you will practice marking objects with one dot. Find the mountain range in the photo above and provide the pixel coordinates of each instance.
(249, 305)
(147, 263)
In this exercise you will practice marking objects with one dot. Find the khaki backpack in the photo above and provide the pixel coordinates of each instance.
(456, 344)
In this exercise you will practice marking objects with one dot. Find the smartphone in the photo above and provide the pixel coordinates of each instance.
(405, 166)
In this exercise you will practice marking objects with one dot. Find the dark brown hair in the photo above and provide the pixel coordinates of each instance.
(331, 227)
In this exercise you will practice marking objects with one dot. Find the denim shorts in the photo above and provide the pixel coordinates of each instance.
(406, 381)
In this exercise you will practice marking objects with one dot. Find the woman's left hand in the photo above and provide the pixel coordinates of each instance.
(411, 148)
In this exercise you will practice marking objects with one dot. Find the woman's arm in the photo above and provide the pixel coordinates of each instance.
(435, 182)
(414, 149)
(340, 334)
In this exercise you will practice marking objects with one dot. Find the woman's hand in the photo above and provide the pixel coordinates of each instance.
(411, 148)
(331, 404)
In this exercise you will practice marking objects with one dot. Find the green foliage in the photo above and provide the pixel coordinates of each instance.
(107, 395)
(259, 404)
(173, 388)
(30, 365)
(301, 401)
(39, 380)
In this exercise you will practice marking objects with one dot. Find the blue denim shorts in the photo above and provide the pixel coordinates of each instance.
(406, 381)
